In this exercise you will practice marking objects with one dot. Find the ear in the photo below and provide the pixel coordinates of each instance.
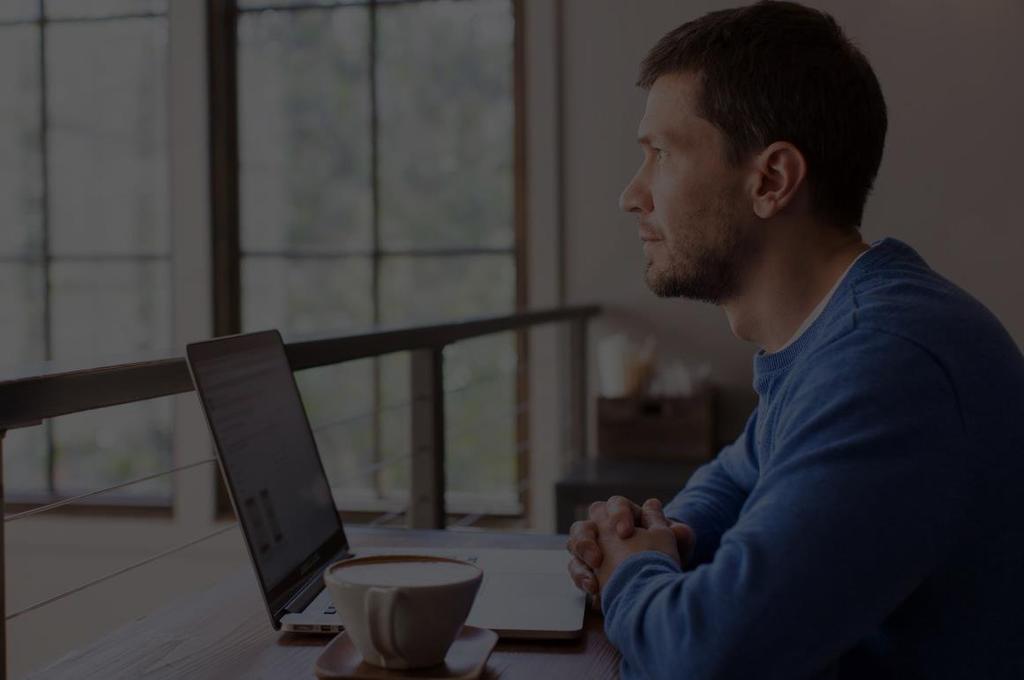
(779, 170)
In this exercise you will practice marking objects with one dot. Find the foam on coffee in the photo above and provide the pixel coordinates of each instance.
(408, 573)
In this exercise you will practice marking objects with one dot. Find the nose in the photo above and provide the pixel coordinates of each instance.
(636, 198)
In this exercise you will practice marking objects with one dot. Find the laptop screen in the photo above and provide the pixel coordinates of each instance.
(269, 457)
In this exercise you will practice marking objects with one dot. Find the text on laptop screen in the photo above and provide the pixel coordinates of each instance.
(278, 484)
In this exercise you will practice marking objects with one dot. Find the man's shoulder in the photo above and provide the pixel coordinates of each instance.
(865, 356)
(903, 296)
(900, 305)
(903, 326)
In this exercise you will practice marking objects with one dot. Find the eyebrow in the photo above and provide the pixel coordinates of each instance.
(653, 138)
(667, 139)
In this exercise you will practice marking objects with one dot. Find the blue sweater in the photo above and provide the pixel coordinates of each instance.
(869, 521)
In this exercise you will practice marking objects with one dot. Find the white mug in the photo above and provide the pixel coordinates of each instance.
(403, 611)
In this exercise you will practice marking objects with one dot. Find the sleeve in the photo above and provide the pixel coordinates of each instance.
(711, 500)
(862, 497)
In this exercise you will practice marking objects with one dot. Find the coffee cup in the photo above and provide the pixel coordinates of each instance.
(403, 611)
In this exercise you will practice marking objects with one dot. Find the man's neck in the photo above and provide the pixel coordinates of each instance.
(789, 279)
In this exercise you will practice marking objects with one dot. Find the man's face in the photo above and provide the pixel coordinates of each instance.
(697, 229)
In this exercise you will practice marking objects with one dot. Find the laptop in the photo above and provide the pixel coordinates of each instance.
(286, 510)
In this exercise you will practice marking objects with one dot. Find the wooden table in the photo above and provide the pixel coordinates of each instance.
(225, 633)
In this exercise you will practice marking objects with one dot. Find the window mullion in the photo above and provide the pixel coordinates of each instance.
(222, 46)
(44, 216)
(378, 474)
(188, 117)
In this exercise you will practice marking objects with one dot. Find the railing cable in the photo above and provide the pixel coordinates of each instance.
(90, 494)
(119, 572)
(387, 517)
(385, 408)
(467, 520)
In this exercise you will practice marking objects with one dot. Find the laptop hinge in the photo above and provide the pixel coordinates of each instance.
(313, 585)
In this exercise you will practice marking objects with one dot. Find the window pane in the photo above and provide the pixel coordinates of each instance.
(25, 462)
(63, 9)
(96, 449)
(110, 310)
(18, 10)
(416, 289)
(481, 417)
(21, 313)
(306, 295)
(446, 124)
(339, 402)
(304, 116)
(106, 87)
(21, 186)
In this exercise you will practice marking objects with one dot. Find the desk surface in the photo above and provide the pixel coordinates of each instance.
(224, 632)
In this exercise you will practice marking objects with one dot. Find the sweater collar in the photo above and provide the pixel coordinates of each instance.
(882, 251)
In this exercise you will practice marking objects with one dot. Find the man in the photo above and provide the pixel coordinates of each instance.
(869, 520)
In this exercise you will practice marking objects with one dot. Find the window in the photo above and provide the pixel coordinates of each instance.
(85, 243)
(376, 186)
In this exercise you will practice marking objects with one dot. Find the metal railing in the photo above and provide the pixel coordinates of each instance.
(52, 392)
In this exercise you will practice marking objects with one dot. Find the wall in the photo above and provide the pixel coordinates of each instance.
(542, 257)
(948, 185)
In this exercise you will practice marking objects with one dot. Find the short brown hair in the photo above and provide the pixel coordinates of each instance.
(779, 71)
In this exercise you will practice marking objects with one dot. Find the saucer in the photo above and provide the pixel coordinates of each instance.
(465, 660)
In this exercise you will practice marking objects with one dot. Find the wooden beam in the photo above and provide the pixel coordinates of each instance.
(52, 390)
(63, 392)
(322, 352)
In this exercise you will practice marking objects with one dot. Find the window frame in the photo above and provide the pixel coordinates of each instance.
(45, 259)
(225, 200)
(222, 309)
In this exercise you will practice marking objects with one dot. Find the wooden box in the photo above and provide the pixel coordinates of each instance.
(662, 428)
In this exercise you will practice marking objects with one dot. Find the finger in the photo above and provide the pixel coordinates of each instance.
(583, 543)
(595, 602)
(583, 529)
(582, 576)
(589, 552)
(652, 516)
(686, 540)
(623, 514)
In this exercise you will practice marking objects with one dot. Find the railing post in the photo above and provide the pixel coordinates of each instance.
(577, 388)
(3, 566)
(426, 502)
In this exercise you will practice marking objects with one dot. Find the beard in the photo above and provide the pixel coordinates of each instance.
(707, 259)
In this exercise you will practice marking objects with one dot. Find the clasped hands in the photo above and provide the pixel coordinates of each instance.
(617, 529)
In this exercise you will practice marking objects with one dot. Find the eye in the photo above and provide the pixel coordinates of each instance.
(659, 153)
